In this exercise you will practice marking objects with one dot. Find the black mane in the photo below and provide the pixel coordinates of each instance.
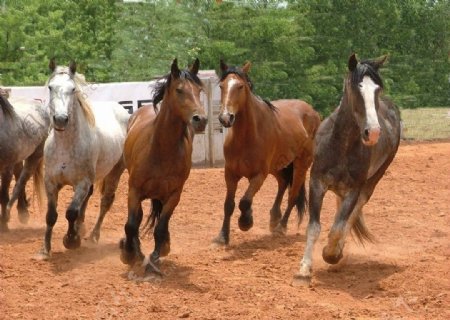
(237, 71)
(7, 108)
(365, 68)
(165, 81)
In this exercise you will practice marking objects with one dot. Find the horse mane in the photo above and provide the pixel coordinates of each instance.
(80, 82)
(365, 68)
(164, 82)
(238, 71)
(6, 106)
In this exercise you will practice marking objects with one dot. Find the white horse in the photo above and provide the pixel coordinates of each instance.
(84, 148)
(24, 129)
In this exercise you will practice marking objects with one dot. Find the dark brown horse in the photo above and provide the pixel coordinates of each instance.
(158, 153)
(354, 147)
(264, 137)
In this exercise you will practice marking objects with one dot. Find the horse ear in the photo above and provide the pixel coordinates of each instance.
(52, 64)
(246, 67)
(73, 67)
(352, 62)
(174, 70)
(378, 63)
(223, 66)
(195, 67)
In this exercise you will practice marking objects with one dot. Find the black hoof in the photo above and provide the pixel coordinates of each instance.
(129, 257)
(165, 249)
(221, 240)
(245, 221)
(72, 242)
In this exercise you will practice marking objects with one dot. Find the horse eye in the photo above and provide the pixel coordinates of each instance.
(240, 86)
(221, 86)
(50, 88)
(179, 90)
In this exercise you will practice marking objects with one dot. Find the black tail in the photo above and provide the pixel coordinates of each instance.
(301, 203)
(153, 218)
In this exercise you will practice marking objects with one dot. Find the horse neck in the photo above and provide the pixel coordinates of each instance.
(247, 119)
(345, 126)
(169, 130)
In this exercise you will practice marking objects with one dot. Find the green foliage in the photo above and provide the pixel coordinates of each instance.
(298, 49)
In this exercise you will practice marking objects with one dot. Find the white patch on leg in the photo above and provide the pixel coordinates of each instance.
(311, 237)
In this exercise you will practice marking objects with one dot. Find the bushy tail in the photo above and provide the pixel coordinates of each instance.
(38, 179)
(301, 203)
(360, 231)
(153, 218)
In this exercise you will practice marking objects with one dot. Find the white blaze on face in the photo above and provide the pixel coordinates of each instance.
(231, 84)
(368, 88)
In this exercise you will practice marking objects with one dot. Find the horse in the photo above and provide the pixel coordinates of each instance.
(263, 138)
(157, 153)
(354, 147)
(84, 148)
(24, 128)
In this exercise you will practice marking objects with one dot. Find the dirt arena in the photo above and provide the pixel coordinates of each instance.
(405, 275)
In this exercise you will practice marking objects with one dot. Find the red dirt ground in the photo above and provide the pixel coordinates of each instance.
(403, 276)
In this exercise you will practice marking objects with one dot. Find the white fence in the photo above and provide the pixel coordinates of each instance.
(208, 146)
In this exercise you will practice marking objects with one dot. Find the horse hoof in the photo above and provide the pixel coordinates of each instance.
(279, 230)
(300, 280)
(93, 238)
(72, 242)
(41, 256)
(220, 240)
(129, 257)
(331, 258)
(165, 249)
(245, 222)
(24, 217)
(153, 268)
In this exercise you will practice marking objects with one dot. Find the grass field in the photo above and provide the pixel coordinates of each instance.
(426, 123)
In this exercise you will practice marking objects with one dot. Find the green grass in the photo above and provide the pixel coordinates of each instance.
(426, 123)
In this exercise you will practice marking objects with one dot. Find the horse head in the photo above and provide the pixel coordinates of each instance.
(235, 86)
(363, 87)
(181, 91)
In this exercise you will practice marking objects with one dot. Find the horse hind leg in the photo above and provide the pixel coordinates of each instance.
(4, 198)
(275, 212)
(108, 191)
(22, 201)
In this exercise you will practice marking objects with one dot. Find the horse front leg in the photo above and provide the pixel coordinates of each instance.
(72, 239)
(52, 191)
(130, 246)
(316, 194)
(231, 182)
(245, 220)
(4, 198)
(332, 252)
(162, 235)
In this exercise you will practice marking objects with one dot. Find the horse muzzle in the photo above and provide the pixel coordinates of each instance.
(371, 136)
(227, 119)
(60, 122)
(199, 123)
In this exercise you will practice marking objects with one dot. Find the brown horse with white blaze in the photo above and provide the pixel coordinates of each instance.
(263, 138)
(158, 151)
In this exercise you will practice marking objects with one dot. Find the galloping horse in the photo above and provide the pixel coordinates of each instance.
(264, 137)
(24, 129)
(354, 147)
(157, 154)
(84, 148)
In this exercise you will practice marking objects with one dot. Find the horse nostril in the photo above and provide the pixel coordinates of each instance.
(196, 118)
(231, 117)
(366, 132)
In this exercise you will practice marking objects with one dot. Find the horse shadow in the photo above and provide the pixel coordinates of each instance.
(21, 234)
(67, 260)
(361, 279)
(268, 242)
(174, 276)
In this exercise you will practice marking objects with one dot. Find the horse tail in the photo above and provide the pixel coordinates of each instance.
(38, 179)
(361, 232)
(153, 218)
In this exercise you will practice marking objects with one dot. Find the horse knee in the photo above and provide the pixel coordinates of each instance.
(245, 205)
(71, 214)
(51, 218)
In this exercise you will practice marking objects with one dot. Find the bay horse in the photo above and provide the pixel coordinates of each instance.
(354, 147)
(84, 148)
(24, 127)
(158, 151)
(264, 138)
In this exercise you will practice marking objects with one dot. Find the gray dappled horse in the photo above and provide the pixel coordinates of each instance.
(84, 148)
(354, 147)
(23, 129)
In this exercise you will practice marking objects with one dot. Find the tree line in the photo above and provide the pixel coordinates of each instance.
(298, 49)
